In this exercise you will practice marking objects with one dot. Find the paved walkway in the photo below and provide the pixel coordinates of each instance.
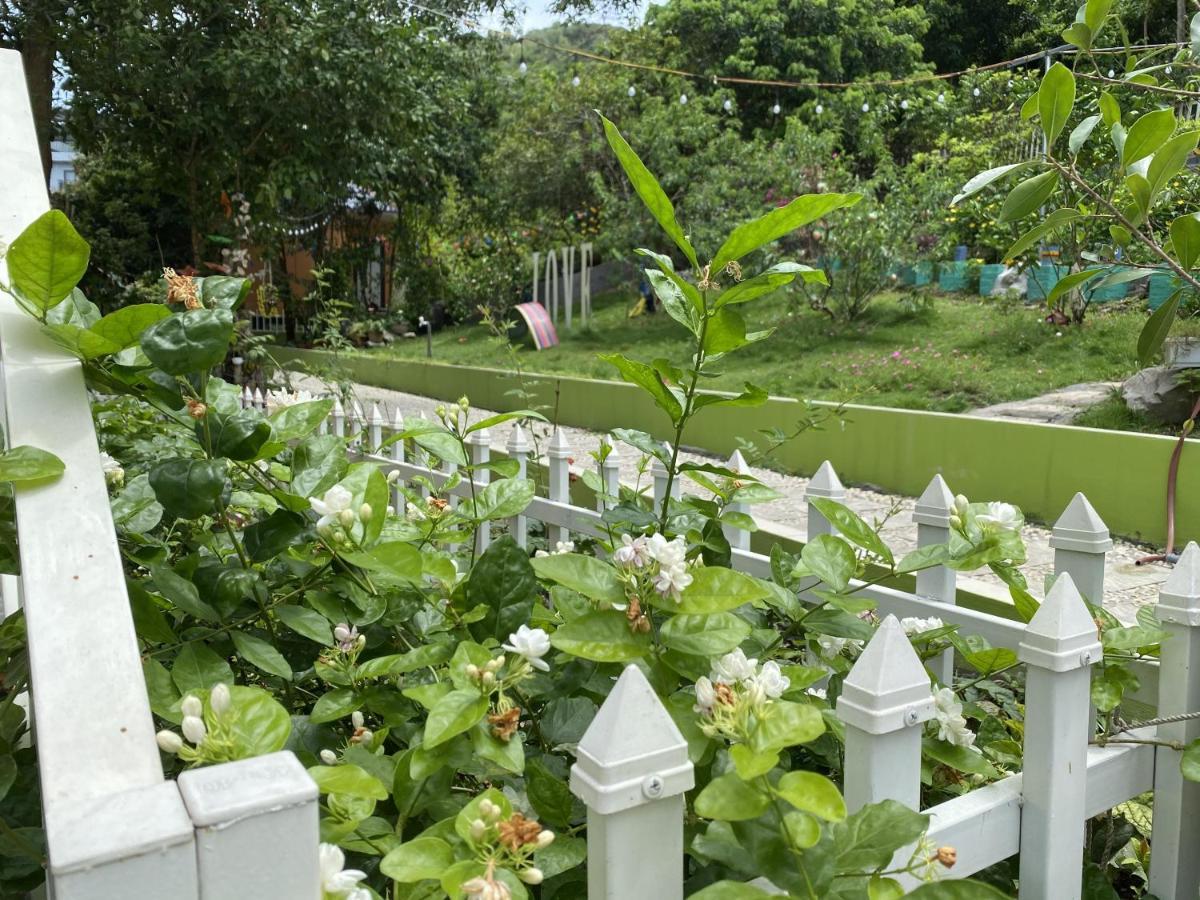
(1058, 407)
(1127, 586)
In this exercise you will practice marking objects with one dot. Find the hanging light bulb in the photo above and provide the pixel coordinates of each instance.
(975, 92)
(727, 106)
(683, 99)
(1111, 73)
(522, 69)
(775, 109)
(820, 109)
(866, 107)
(941, 98)
(575, 81)
(1168, 70)
(1010, 84)
(904, 104)
(632, 91)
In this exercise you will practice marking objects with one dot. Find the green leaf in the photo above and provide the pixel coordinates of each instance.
(674, 300)
(869, 838)
(716, 589)
(76, 310)
(197, 668)
(1028, 195)
(731, 890)
(260, 654)
(1169, 159)
(751, 396)
(650, 380)
(182, 593)
(427, 655)
(595, 579)
(780, 221)
(962, 759)
(1156, 329)
(1132, 637)
(563, 855)
(726, 332)
(455, 713)
(307, 623)
(729, 799)
(298, 420)
(647, 187)
(983, 179)
(923, 558)
(239, 435)
(704, 635)
(1147, 134)
(505, 583)
(549, 795)
(501, 418)
(257, 721)
(1185, 239)
(349, 780)
(765, 282)
(223, 291)
(1189, 761)
(1052, 222)
(786, 724)
(1070, 282)
(985, 662)
(395, 558)
(81, 342)
(812, 793)
(1056, 99)
(318, 462)
(1080, 133)
(268, 538)
(417, 860)
(503, 499)
(1078, 34)
(853, 527)
(602, 636)
(750, 765)
(125, 326)
(1110, 109)
(25, 463)
(1029, 108)
(1094, 14)
(831, 559)
(471, 812)
(189, 342)
(190, 488)
(47, 260)
(335, 704)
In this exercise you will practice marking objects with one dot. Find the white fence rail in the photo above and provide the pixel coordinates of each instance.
(115, 827)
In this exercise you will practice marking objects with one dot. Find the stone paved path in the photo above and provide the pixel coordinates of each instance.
(1058, 407)
(1127, 586)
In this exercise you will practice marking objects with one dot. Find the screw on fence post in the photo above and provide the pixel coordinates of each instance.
(480, 443)
(1059, 647)
(739, 538)
(518, 448)
(256, 828)
(560, 483)
(824, 483)
(610, 476)
(659, 470)
(884, 700)
(1080, 540)
(339, 418)
(375, 433)
(932, 515)
(1175, 867)
(631, 771)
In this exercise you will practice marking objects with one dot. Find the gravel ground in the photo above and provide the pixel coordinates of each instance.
(1127, 586)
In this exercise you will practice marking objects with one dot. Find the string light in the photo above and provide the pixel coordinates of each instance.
(975, 92)
(683, 99)
(1111, 73)
(522, 68)
(866, 107)
(575, 81)
(632, 91)
(904, 104)
(820, 109)
(775, 109)
(941, 98)
(727, 105)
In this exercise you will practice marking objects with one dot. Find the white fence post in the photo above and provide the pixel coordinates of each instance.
(884, 700)
(357, 420)
(1175, 867)
(1059, 648)
(559, 454)
(375, 434)
(739, 538)
(932, 515)
(397, 452)
(480, 443)
(659, 470)
(1080, 539)
(339, 417)
(518, 448)
(610, 476)
(632, 771)
(824, 483)
(256, 828)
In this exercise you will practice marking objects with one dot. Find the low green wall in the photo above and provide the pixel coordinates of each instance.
(1037, 467)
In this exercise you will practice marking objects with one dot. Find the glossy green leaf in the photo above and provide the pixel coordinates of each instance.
(1170, 159)
(1094, 14)
(417, 860)
(298, 420)
(260, 654)
(1070, 282)
(1056, 99)
(1080, 133)
(787, 725)
(189, 342)
(503, 499)
(869, 838)
(704, 635)
(1156, 329)
(24, 463)
(182, 593)
(125, 326)
(1028, 196)
(394, 558)
(347, 779)
(504, 582)
(1110, 109)
(1189, 761)
(983, 179)
(47, 259)
(961, 759)
(238, 436)
(770, 280)
(1147, 134)
(306, 622)
(334, 705)
(1053, 222)
(812, 793)
(716, 589)
(650, 380)
(673, 299)
(223, 291)
(318, 463)
(552, 800)
(729, 799)
(190, 488)
(778, 222)
(1185, 240)
(586, 575)
(1078, 34)
(831, 559)
(853, 527)
(76, 310)
(197, 668)
(454, 714)
(602, 636)
(258, 722)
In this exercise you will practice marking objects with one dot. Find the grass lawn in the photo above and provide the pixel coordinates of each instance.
(962, 353)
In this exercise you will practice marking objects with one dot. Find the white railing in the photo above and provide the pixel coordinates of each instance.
(115, 827)
(632, 778)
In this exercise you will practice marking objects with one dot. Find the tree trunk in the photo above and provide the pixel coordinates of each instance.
(37, 52)
(1181, 27)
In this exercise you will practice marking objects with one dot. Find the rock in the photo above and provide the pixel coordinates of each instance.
(1157, 394)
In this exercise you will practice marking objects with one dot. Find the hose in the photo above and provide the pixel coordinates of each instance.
(1170, 556)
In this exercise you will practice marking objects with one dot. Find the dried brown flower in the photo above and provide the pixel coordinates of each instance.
(181, 289)
(947, 856)
(517, 831)
(196, 409)
(504, 725)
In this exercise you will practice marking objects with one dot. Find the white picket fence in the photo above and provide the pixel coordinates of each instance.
(115, 827)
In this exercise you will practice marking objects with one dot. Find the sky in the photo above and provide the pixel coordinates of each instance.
(537, 15)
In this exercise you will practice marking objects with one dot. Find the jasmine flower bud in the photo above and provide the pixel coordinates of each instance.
(191, 706)
(544, 839)
(364, 513)
(489, 810)
(473, 671)
(393, 476)
(356, 718)
(329, 757)
(488, 679)
(532, 875)
(478, 829)
(169, 742)
(955, 522)
(193, 729)
(220, 699)
(463, 403)
(346, 517)
(961, 504)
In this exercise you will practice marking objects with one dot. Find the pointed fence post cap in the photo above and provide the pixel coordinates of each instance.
(1062, 634)
(338, 410)
(1080, 528)
(738, 463)
(888, 688)
(376, 414)
(612, 457)
(632, 753)
(398, 420)
(559, 448)
(935, 505)
(480, 438)
(517, 441)
(825, 483)
(1179, 597)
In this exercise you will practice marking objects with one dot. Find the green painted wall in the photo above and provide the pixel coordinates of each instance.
(1037, 467)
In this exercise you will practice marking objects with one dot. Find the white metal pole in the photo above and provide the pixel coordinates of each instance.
(375, 424)
(559, 454)
(824, 483)
(480, 443)
(1175, 865)
(1059, 648)
(739, 538)
(884, 700)
(632, 771)
(932, 515)
(339, 418)
(518, 448)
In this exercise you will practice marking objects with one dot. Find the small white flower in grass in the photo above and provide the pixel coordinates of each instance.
(1000, 517)
(191, 706)
(336, 501)
(634, 553)
(733, 667)
(193, 729)
(336, 879)
(952, 726)
(169, 742)
(220, 699)
(532, 644)
(706, 696)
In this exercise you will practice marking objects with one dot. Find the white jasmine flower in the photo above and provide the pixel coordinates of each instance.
(673, 580)
(193, 729)
(916, 625)
(329, 757)
(733, 667)
(336, 880)
(220, 699)
(561, 547)
(169, 741)
(952, 726)
(281, 399)
(667, 554)
(113, 473)
(414, 513)
(706, 696)
(346, 637)
(634, 553)
(191, 706)
(336, 501)
(532, 644)
(357, 719)
(485, 889)
(1000, 517)
(771, 680)
(830, 646)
